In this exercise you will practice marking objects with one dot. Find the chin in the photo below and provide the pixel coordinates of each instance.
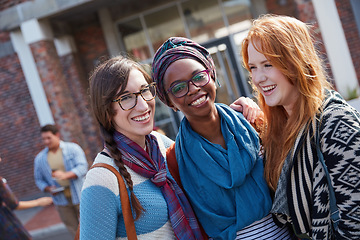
(148, 130)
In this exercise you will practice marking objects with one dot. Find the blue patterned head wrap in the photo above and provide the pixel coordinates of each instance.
(173, 49)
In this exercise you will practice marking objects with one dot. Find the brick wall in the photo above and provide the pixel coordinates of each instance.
(76, 80)
(4, 37)
(4, 4)
(90, 42)
(66, 77)
(20, 137)
(91, 50)
(280, 7)
(57, 91)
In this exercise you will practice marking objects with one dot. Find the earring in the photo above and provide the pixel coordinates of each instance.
(218, 82)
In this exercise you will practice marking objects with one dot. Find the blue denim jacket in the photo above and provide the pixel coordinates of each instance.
(74, 160)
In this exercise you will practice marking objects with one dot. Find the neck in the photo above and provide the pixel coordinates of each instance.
(54, 149)
(202, 128)
(140, 141)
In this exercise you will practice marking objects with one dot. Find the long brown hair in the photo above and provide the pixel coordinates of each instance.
(107, 82)
(286, 42)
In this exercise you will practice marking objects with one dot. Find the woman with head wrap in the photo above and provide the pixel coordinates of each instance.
(217, 150)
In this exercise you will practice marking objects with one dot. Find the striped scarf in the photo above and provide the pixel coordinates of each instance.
(153, 166)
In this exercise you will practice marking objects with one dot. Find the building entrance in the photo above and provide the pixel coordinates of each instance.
(229, 70)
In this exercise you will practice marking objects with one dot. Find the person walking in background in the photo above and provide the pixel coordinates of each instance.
(123, 102)
(305, 121)
(10, 226)
(217, 150)
(60, 169)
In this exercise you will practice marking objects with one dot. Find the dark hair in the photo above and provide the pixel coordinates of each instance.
(49, 128)
(107, 82)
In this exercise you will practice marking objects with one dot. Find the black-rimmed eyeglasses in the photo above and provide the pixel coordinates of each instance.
(129, 100)
(181, 88)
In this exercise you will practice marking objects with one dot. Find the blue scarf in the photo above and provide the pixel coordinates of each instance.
(226, 187)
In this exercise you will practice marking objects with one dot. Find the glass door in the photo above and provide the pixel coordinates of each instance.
(233, 83)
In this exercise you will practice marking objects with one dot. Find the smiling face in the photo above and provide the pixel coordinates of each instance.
(276, 89)
(199, 101)
(138, 121)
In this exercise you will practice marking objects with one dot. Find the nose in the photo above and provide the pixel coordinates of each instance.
(141, 103)
(192, 88)
(258, 77)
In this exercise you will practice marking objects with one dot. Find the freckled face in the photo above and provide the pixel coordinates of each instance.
(271, 82)
(138, 121)
(199, 101)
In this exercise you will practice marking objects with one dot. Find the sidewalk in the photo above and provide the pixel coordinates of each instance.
(43, 223)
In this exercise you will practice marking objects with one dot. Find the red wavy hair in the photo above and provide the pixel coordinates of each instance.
(286, 42)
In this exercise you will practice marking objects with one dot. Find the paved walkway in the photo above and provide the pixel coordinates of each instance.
(44, 223)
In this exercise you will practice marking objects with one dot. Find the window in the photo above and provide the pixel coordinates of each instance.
(134, 39)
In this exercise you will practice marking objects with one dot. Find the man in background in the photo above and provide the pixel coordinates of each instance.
(60, 169)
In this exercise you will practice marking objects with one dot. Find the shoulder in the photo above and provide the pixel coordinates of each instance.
(41, 154)
(335, 105)
(337, 113)
(162, 139)
(69, 145)
(227, 112)
(101, 177)
(339, 131)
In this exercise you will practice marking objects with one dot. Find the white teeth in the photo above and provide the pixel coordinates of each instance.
(265, 89)
(142, 118)
(198, 101)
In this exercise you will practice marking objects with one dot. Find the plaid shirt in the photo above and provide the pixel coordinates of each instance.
(74, 161)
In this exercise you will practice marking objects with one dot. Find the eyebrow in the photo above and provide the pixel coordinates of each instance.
(192, 74)
(196, 71)
(141, 87)
(262, 62)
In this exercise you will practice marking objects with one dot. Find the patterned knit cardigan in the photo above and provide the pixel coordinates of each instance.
(307, 188)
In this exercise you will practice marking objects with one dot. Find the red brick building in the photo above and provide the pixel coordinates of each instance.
(49, 47)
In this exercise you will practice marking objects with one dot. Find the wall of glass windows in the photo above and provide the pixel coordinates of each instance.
(219, 25)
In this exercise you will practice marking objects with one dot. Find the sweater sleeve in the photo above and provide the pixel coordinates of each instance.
(99, 206)
(340, 145)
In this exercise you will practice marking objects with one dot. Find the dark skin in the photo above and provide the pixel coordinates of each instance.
(213, 123)
(198, 105)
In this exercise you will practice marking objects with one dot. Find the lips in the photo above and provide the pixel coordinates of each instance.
(268, 88)
(141, 118)
(198, 101)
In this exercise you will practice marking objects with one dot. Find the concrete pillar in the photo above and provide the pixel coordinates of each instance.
(336, 46)
(32, 78)
(110, 35)
(38, 35)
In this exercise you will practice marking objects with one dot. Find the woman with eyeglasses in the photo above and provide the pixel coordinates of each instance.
(122, 100)
(217, 150)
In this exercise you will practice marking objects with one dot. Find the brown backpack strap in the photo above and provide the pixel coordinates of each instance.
(125, 203)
